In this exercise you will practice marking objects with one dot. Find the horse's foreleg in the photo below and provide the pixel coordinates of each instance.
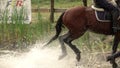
(114, 49)
(115, 45)
(61, 40)
(116, 55)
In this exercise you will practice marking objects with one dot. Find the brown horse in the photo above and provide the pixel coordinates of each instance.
(78, 20)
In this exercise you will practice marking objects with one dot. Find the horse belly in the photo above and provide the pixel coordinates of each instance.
(101, 28)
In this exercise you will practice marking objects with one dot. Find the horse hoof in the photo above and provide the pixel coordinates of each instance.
(115, 66)
(110, 58)
(44, 46)
(78, 57)
(62, 56)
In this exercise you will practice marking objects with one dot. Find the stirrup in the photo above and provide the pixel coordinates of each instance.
(116, 28)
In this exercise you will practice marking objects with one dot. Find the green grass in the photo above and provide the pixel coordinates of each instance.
(17, 35)
(22, 35)
(58, 3)
(13, 32)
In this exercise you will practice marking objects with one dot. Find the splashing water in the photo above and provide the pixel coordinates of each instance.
(35, 58)
(48, 58)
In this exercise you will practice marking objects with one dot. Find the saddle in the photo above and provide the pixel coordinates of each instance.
(101, 15)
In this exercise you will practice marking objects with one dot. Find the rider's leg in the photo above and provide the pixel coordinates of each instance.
(115, 15)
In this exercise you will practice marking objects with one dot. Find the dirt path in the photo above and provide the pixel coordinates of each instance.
(48, 58)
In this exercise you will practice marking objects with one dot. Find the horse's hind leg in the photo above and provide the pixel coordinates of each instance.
(61, 40)
(68, 41)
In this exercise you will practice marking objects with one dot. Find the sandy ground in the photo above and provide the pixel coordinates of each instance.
(48, 58)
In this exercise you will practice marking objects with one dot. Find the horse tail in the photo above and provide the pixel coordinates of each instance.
(58, 28)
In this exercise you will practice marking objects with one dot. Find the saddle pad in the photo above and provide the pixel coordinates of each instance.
(103, 16)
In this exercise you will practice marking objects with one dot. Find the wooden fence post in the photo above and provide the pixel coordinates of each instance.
(84, 2)
(52, 11)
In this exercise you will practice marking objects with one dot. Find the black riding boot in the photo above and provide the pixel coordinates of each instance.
(115, 15)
